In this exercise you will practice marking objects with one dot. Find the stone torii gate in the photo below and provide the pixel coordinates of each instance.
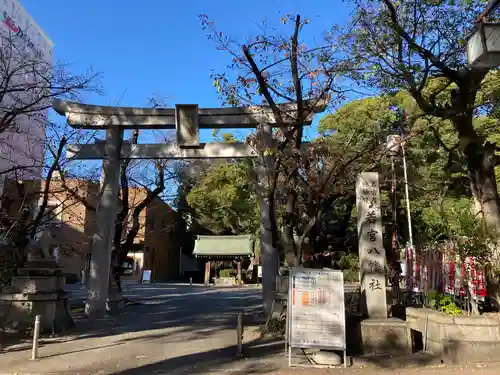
(186, 119)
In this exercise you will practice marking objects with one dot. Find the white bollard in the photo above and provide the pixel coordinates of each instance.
(239, 335)
(190, 281)
(36, 333)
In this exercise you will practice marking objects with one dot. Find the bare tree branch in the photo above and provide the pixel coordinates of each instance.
(46, 189)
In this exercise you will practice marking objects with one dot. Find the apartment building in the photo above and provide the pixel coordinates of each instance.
(30, 55)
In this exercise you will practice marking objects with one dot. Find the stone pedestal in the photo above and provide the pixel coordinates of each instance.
(385, 337)
(38, 290)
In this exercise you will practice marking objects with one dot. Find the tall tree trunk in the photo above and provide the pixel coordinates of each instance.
(120, 224)
(481, 161)
(268, 228)
(292, 249)
(269, 252)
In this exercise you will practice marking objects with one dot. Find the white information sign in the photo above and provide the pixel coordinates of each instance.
(316, 309)
(146, 276)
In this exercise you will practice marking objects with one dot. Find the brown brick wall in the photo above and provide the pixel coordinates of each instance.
(78, 225)
(158, 231)
(163, 241)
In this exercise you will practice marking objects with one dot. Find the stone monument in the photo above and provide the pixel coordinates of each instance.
(379, 334)
(371, 248)
(38, 289)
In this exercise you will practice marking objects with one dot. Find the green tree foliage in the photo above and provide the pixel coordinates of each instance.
(224, 201)
(418, 47)
(439, 190)
(364, 125)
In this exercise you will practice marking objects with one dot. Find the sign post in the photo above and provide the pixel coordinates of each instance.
(146, 276)
(316, 311)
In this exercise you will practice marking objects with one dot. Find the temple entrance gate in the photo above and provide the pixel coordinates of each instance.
(187, 120)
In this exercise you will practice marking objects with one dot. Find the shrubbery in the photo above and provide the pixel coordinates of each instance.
(229, 272)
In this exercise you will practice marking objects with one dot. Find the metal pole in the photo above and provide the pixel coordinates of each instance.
(239, 335)
(394, 244)
(190, 281)
(425, 331)
(408, 212)
(409, 265)
(394, 213)
(36, 334)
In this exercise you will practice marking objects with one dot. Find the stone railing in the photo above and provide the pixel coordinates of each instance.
(473, 338)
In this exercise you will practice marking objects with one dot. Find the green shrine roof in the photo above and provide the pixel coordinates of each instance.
(223, 246)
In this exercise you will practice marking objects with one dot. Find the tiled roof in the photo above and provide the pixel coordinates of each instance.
(223, 246)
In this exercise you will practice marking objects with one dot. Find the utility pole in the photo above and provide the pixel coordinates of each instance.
(393, 147)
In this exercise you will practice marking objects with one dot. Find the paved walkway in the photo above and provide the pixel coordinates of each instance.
(177, 330)
(443, 370)
(178, 352)
(180, 330)
(138, 291)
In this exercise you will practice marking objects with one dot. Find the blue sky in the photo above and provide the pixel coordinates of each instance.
(157, 47)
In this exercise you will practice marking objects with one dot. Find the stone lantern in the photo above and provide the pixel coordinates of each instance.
(483, 46)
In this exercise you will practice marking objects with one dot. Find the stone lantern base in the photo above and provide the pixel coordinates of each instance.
(38, 290)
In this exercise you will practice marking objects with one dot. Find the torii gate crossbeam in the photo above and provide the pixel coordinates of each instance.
(187, 119)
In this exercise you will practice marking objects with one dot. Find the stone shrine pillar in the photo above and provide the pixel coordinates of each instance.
(207, 273)
(380, 335)
(371, 248)
(238, 272)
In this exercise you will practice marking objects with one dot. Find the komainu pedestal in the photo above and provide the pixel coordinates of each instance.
(38, 290)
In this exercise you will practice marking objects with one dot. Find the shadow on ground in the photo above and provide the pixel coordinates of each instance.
(169, 314)
(194, 312)
(221, 360)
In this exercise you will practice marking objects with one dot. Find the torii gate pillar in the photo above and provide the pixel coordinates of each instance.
(106, 212)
